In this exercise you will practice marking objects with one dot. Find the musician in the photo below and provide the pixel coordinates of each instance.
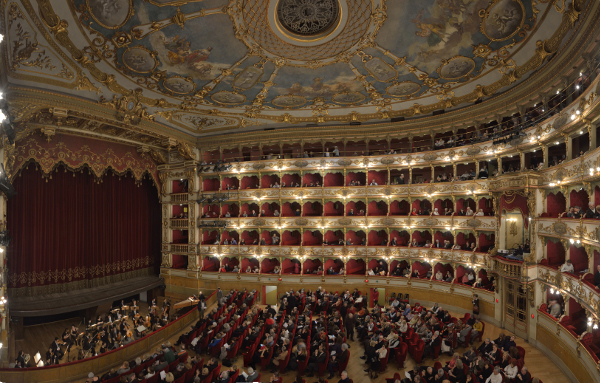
(89, 326)
(74, 333)
(20, 361)
(50, 357)
(99, 319)
(201, 296)
(57, 351)
(66, 338)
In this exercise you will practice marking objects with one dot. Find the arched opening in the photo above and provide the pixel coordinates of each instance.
(334, 266)
(312, 266)
(334, 209)
(378, 208)
(210, 264)
(269, 266)
(356, 267)
(291, 238)
(250, 182)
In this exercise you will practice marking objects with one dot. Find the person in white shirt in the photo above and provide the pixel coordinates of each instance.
(276, 213)
(439, 276)
(336, 151)
(435, 211)
(496, 376)
(480, 213)
(373, 183)
(511, 370)
(567, 267)
(469, 211)
(471, 276)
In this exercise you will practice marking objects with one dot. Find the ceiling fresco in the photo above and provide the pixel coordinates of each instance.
(217, 65)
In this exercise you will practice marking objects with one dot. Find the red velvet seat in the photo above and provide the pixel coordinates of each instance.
(400, 354)
(417, 353)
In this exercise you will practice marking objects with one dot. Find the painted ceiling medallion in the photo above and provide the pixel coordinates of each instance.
(140, 59)
(228, 98)
(403, 89)
(308, 17)
(381, 70)
(348, 98)
(456, 68)
(289, 101)
(111, 14)
(179, 85)
(502, 19)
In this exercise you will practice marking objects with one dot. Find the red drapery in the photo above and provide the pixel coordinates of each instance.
(75, 231)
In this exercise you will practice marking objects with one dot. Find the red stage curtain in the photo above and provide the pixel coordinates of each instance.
(70, 228)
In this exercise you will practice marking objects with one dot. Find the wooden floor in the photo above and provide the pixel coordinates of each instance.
(538, 364)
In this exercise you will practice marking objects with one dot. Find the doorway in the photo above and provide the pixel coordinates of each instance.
(270, 294)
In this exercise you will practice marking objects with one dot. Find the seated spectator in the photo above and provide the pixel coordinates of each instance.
(592, 212)
(567, 267)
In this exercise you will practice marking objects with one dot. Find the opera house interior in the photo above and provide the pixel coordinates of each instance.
(221, 191)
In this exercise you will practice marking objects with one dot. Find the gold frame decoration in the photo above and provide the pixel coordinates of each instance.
(485, 14)
(130, 13)
(276, 101)
(362, 98)
(143, 48)
(387, 90)
(449, 61)
(228, 103)
(186, 79)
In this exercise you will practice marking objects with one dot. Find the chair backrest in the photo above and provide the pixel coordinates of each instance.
(153, 378)
(181, 379)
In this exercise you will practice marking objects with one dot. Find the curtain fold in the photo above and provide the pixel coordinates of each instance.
(74, 227)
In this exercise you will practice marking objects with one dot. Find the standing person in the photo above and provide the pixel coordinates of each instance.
(476, 305)
(219, 294)
(375, 296)
(350, 322)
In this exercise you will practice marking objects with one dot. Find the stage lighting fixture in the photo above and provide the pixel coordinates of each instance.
(228, 167)
(5, 185)
(202, 199)
(211, 200)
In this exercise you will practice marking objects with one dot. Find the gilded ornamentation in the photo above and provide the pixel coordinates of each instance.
(559, 228)
(129, 107)
(344, 221)
(301, 222)
(184, 151)
(474, 222)
(49, 156)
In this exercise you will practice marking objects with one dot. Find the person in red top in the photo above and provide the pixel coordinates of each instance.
(269, 321)
(375, 296)
(414, 212)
